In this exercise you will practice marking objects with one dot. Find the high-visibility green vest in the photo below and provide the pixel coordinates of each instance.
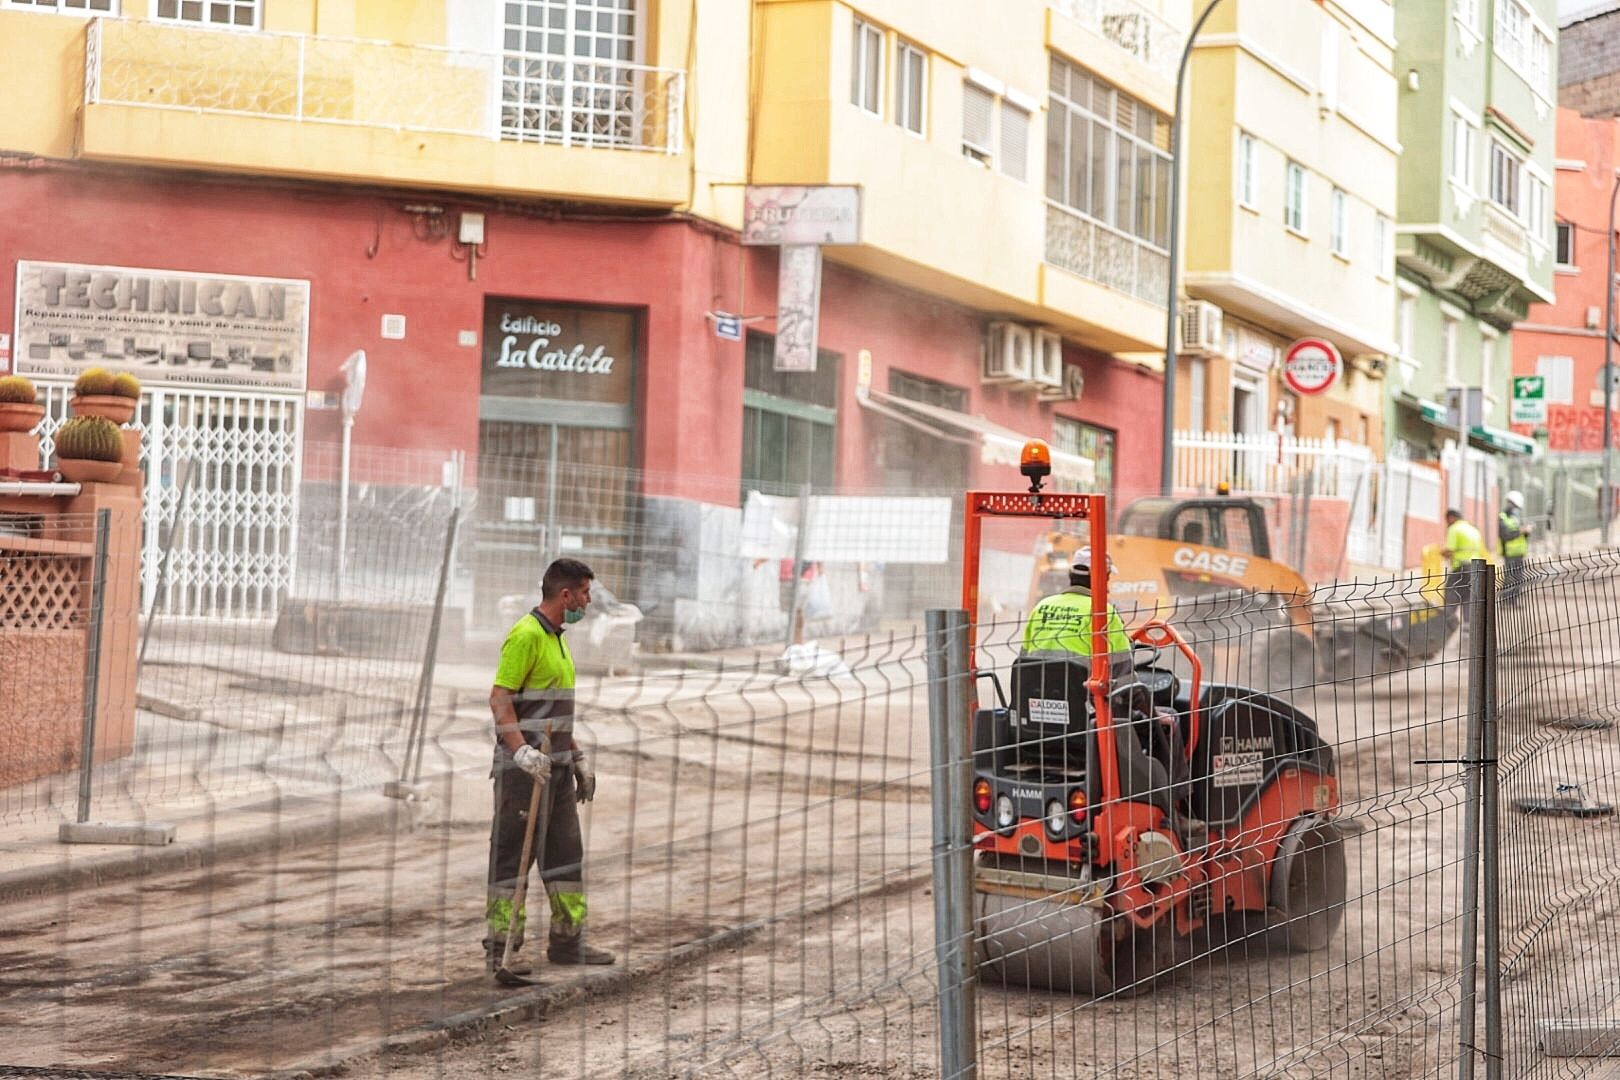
(1063, 622)
(1515, 544)
(1465, 543)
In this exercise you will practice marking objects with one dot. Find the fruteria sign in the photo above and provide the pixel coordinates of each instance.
(169, 327)
(1529, 399)
(1311, 365)
(802, 214)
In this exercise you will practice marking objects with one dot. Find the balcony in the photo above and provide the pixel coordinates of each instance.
(1130, 27)
(1099, 253)
(364, 110)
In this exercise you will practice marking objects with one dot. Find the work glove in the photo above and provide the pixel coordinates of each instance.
(533, 762)
(584, 778)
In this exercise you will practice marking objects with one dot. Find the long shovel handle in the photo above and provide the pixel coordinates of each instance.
(521, 894)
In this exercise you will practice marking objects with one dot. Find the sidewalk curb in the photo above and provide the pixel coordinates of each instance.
(281, 833)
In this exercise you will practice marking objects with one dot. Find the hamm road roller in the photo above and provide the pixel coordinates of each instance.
(1127, 819)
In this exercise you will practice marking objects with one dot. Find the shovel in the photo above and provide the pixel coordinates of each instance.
(533, 836)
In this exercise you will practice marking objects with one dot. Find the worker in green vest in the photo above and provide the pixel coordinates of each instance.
(1062, 622)
(1464, 544)
(1514, 537)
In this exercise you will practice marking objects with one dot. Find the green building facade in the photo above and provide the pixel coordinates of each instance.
(1474, 231)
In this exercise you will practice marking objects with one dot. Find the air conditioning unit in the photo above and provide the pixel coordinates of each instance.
(1201, 328)
(1594, 317)
(1074, 384)
(1009, 354)
(1048, 360)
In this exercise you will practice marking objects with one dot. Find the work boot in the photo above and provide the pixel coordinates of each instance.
(577, 952)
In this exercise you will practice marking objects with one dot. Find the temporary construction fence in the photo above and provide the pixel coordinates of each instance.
(774, 847)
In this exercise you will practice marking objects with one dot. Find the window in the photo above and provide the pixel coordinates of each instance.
(1467, 13)
(1535, 206)
(1524, 44)
(1197, 393)
(546, 43)
(1245, 167)
(1406, 316)
(1559, 371)
(1294, 197)
(1564, 243)
(1512, 31)
(1340, 224)
(790, 419)
(1381, 247)
(1014, 141)
(910, 87)
(1504, 178)
(978, 112)
(1448, 348)
(69, 7)
(866, 68)
(239, 13)
(1464, 138)
(1091, 442)
(1108, 155)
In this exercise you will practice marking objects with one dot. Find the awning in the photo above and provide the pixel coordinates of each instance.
(1489, 437)
(1432, 411)
(1506, 441)
(997, 445)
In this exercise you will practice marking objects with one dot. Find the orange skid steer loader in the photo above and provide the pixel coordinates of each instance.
(1125, 819)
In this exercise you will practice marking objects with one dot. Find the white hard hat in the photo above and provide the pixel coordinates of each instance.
(1081, 563)
(1515, 498)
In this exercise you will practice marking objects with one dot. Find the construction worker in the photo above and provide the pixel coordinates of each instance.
(533, 705)
(1514, 537)
(1062, 622)
(1463, 545)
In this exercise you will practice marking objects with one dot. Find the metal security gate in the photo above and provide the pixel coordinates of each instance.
(235, 553)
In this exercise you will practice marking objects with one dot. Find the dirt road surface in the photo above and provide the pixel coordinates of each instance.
(760, 857)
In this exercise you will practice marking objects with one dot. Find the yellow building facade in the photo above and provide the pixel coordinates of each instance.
(669, 112)
(1291, 166)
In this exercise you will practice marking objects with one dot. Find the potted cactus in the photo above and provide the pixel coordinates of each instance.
(98, 392)
(89, 448)
(19, 411)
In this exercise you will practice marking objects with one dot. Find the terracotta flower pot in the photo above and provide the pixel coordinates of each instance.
(85, 471)
(15, 416)
(114, 408)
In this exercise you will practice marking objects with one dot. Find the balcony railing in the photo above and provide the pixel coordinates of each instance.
(1105, 255)
(369, 84)
(1131, 27)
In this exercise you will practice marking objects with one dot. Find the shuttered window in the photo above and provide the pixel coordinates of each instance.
(1014, 141)
(978, 112)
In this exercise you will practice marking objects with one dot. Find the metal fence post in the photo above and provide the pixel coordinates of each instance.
(411, 773)
(92, 664)
(796, 591)
(1468, 944)
(952, 769)
(1490, 835)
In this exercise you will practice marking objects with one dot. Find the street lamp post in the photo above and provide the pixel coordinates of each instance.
(1167, 461)
(1606, 500)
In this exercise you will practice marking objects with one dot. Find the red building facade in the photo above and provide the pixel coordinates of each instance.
(1563, 341)
(638, 381)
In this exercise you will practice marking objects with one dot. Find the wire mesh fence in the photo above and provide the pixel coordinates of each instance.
(1302, 867)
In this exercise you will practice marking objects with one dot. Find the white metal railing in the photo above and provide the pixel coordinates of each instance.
(1131, 27)
(1104, 254)
(567, 101)
(1270, 464)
